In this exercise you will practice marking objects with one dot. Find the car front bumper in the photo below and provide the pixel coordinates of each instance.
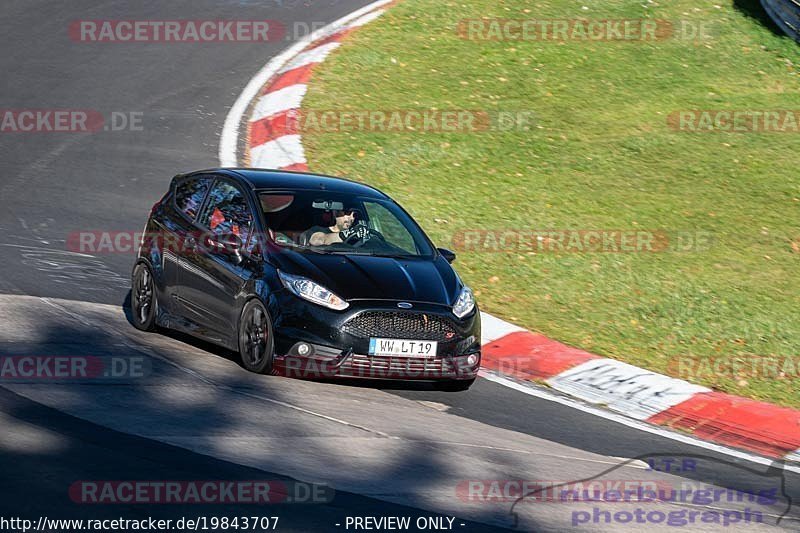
(314, 342)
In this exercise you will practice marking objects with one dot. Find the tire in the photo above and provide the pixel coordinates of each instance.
(144, 304)
(256, 342)
(456, 385)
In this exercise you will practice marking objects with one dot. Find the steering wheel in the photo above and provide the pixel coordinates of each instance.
(364, 240)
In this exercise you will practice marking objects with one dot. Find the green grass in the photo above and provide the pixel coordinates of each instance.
(601, 156)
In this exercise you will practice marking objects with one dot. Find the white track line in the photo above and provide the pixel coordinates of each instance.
(366, 19)
(230, 131)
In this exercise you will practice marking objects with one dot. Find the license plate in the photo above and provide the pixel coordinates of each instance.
(403, 347)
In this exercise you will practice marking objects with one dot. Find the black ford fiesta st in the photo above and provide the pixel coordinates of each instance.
(306, 275)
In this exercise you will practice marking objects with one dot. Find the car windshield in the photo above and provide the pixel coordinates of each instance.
(338, 223)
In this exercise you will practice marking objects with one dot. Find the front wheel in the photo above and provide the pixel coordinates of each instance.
(256, 344)
(143, 298)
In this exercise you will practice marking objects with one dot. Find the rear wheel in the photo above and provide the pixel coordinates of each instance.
(256, 344)
(143, 298)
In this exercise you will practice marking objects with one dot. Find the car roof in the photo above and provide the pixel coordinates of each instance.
(258, 178)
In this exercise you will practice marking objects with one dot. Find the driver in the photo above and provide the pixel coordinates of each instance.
(343, 230)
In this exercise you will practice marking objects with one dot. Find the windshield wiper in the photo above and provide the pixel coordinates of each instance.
(355, 251)
(393, 256)
(317, 250)
(300, 247)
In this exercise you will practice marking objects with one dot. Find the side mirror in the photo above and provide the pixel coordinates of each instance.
(449, 255)
(228, 244)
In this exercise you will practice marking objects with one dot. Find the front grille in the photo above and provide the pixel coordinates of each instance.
(395, 367)
(401, 325)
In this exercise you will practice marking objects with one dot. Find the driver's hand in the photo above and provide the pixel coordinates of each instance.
(359, 232)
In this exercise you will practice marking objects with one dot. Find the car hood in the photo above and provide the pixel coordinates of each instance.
(369, 277)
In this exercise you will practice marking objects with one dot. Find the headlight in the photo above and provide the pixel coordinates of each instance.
(311, 291)
(465, 303)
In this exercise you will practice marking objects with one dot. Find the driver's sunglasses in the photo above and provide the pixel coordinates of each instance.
(344, 212)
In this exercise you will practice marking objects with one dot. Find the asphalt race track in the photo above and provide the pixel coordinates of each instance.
(193, 413)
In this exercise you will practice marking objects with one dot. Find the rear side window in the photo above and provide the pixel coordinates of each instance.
(227, 212)
(189, 195)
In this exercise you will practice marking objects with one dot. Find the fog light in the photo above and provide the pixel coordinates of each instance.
(472, 359)
(303, 349)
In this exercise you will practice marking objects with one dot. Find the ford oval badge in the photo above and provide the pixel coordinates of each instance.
(404, 305)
